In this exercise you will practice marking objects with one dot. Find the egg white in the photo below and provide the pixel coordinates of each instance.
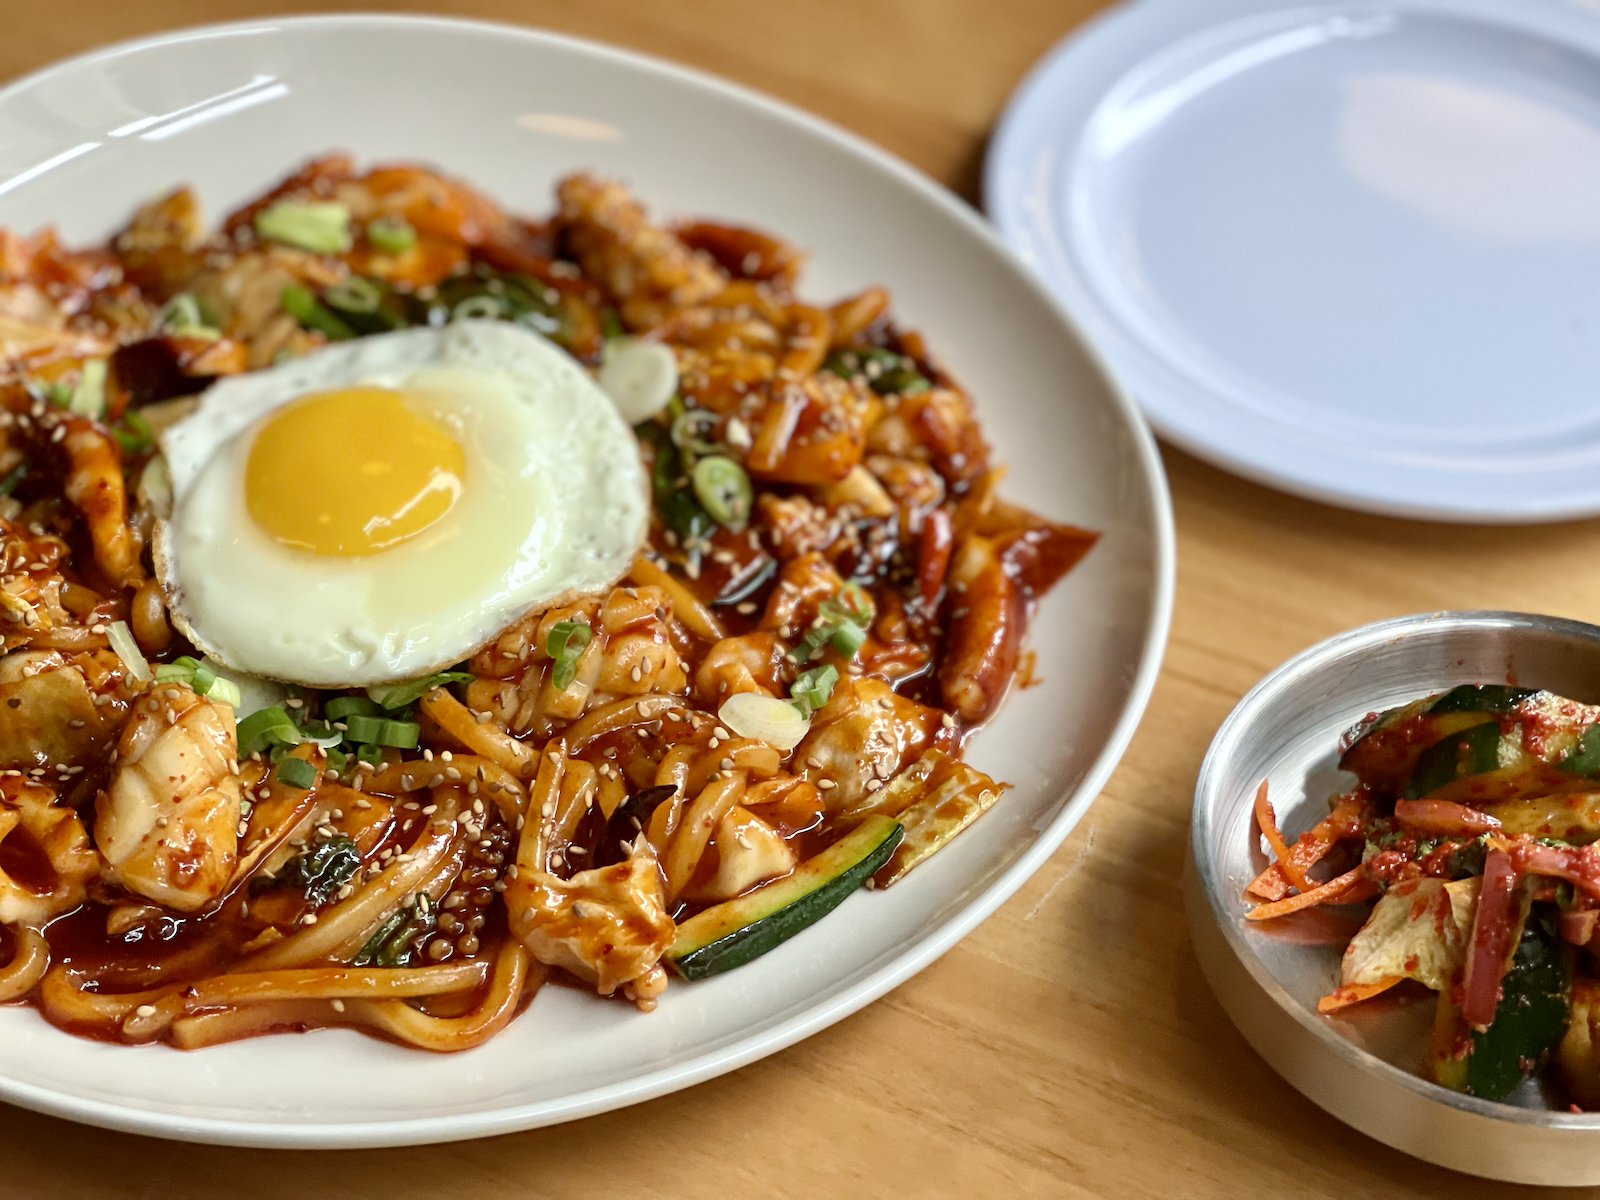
(554, 504)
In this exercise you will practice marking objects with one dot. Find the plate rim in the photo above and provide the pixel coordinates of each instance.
(1120, 39)
(872, 984)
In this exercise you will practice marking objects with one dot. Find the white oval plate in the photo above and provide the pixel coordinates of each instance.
(230, 109)
(1348, 250)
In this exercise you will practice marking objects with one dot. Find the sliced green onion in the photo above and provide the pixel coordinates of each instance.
(121, 639)
(724, 491)
(133, 433)
(340, 707)
(267, 727)
(372, 755)
(89, 397)
(300, 304)
(353, 294)
(201, 678)
(478, 308)
(297, 772)
(321, 226)
(181, 315)
(247, 693)
(687, 428)
(812, 689)
(565, 645)
(337, 758)
(59, 393)
(13, 477)
(392, 698)
(843, 621)
(402, 735)
(391, 235)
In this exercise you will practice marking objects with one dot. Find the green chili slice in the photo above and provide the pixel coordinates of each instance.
(724, 491)
(391, 235)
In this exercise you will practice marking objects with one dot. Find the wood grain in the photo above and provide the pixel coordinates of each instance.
(1069, 1047)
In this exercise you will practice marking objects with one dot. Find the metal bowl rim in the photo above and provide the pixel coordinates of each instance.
(1307, 665)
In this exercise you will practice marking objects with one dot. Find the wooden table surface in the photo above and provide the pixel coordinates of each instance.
(1068, 1047)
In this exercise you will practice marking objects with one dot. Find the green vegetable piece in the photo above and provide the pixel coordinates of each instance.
(391, 235)
(885, 371)
(410, 693)
(402, 735)
(565, 644)
(13, 477)
(340, 707)
(371, 754)
(1473, 697)
(812, 689)
(297, 772)
(353, 294)
(133, 433)
(478, 308)
(182, 316)
(1585, 756)
(300, 304)
(381, 731)
(321, 226)
(724, 491)
(1471, 752)
(843, 620)
(1530, 1020)
(265, 728)
(730, 934)
(325, 868)
(89, 396)
(394, 942)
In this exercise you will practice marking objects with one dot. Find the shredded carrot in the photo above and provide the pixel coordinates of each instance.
(1310, 849)
(1268, 822)
(1355, 993)
(1308, 899)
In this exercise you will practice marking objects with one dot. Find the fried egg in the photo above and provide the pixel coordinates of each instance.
(382, 508)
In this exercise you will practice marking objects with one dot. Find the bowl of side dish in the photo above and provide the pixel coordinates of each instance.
(1407, 839)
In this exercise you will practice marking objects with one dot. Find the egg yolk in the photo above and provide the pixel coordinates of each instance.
(351, 472)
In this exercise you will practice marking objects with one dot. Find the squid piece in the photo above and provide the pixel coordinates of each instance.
(168, 825)
(645, 268)
(749, 851)
(803, 584)
(752, 663)
(49, 861)
(862, 738)
(608, 926)
(59, 710)
(94, 484)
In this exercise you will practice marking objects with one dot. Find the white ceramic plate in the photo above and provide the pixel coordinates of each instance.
(1349, 250)
(231, 108)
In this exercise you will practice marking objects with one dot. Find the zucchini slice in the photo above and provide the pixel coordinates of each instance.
(733, 933)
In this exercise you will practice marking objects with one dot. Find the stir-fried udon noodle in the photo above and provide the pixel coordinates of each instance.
(831, 596)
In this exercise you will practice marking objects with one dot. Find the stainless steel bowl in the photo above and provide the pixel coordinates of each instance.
(1362, 1065)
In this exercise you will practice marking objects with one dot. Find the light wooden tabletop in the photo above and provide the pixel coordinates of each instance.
(1068, 1047)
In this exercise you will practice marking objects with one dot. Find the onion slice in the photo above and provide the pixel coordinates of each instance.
(121, 639)
(640, 377)
(755, 715)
